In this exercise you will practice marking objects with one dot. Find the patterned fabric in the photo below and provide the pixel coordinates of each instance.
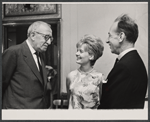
(85, 89)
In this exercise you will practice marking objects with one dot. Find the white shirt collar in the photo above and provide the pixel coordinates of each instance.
(125, 52)
(30, 47)
(33, 53)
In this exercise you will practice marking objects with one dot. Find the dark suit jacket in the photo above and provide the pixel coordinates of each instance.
(23, 87)
(127, 84)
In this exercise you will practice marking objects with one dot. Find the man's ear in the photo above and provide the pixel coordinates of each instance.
(32, 35)
(122, 36)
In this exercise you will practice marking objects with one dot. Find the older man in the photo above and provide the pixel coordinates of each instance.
(127, 82)
(24, 80)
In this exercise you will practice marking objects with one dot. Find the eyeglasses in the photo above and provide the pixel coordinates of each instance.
(46, 37)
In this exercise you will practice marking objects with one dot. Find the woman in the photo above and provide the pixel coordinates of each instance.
(84, 85)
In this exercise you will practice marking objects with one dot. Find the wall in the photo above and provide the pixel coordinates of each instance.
(81, 19)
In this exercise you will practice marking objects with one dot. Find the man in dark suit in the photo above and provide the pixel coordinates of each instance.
(24, 80)
(127, 82)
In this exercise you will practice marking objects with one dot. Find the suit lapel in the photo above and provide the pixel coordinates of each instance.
(133, 52)
(30, 61)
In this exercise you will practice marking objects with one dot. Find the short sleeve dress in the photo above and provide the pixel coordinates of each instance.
(85, 89)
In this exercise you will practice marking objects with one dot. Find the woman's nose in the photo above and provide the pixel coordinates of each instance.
(77, 53)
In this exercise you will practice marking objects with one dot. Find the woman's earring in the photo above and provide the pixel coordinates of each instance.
(91, 58)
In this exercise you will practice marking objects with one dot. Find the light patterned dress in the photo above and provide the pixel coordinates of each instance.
(85, 89)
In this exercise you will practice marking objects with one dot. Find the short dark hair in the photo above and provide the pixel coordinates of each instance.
(128, 26)
(94, 46)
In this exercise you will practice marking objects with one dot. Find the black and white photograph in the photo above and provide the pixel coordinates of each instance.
(74, 61)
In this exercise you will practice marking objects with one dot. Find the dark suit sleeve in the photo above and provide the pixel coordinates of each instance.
(118, 89)
(8, 67)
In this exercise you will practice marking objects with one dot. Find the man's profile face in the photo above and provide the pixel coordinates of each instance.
(113, 39)
(41, 41)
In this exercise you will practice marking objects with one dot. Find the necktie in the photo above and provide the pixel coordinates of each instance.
(117, 60)
(40, 64)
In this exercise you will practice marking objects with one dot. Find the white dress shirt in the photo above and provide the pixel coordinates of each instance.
(33, 54)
